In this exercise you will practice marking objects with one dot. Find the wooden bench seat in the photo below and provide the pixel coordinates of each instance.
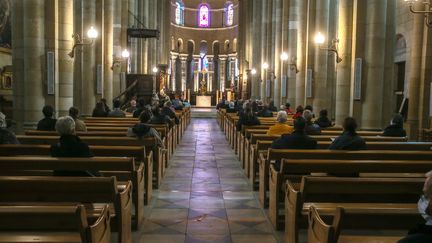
(53, 223)
(150, 144)
(335, 190)
(293, 169)
(279, 154)
(73, 189)
(124, 169)
(372, 219)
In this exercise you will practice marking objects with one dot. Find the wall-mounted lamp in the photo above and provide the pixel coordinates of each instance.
(293, 62)
(427, 13)
(320, 39)
(92, 34)
(265, 66)
(253, 71)
(118, 60)
(155, 69)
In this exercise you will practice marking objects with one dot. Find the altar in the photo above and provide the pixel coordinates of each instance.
(203, 101)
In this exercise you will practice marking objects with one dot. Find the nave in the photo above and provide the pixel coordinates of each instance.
(204, 195)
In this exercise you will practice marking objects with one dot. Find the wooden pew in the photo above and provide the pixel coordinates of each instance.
(124, 169)
(139, 153)
(149, 143)
(262, 145)
(293, 169)
(53, 223)
(368, 217)
(73, 189)
(279, 154)
(336, 191)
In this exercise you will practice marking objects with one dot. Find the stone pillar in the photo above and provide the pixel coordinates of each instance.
(183, 73)
(108, 49)
(215, 79)
(30, 85)
(301, 52)
(88, 88)
(223, 73)
(320, 84)
(117, 47)
(189, 73)
(277, 21)
(374, 64)
(264, 34)
(256, 46)
(134, 41)
(414, 79)
(65, 63)
(343, 81)
(292, 45)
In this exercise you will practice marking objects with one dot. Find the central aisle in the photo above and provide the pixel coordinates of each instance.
(204, 196)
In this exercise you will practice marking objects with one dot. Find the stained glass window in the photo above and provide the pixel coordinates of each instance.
(179, 19)
(204, 16)
(230, 14)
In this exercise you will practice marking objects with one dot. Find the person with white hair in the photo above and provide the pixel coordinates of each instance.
(311, 128)
(6, 136)
(281, 127)
(70, 145)
(422, 232)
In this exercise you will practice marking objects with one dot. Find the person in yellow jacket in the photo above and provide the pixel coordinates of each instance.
(280, 127)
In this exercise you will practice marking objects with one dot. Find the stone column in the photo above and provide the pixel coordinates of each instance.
(108, 49)
(256, 46)
(374, 64)
(215, 79)
(223, 73)
(65, 63)
(414, 79)
(292, 45)
(134, 41)
(320, 84)
(88, 88)
(343, 80)
(117, 47)
(277, 21)
(301, 52)
(18, 61)
(183, 73)
(33, 52)
(265, 32)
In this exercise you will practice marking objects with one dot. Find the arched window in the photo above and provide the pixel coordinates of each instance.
(204, 16)
(230, 14)
(179, 13)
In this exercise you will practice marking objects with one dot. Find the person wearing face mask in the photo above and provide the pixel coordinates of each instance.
(423, 232)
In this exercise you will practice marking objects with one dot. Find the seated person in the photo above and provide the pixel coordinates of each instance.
(169, 111)
(297, 140)
(104, 101)
(231, 108)
(48, 123)
(141, 130)
(247, 117)
(158, 118)
(280, 127)
(349, 140)
(395, 129)
(265, 112)
(272, 107)
(140, 108)
(299, 112)
(323, 120)
(6, 136)
(133, 107)
(99, 110)
(288, 108)
(116, 112)
(423, 232)
(186, 103)
(70, 145)
(311, 128)
(80, 126)
(177, 103)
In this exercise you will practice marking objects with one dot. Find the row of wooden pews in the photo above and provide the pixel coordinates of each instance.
(337, 195)
(92, 206)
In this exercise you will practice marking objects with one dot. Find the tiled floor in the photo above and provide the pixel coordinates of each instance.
(204, 196)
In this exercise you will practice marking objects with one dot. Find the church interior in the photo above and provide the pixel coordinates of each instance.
(226, 121)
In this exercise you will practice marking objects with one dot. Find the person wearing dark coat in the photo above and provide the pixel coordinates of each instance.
(48, 123)
(395, 129)
(168, 110)
(140, 108)
(349, 140)
(70, 145)
(296, 140)
(265, 112)
(247, 117)
(141, 129)
(99, 110)
(6, 136)
(311, 128)
(272, 107)
(158, 118)
(323, 120)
